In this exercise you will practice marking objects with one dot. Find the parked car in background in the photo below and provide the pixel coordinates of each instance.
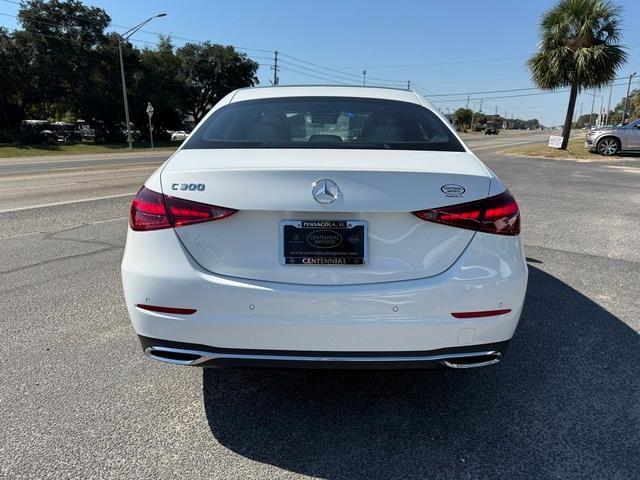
(613, 140)
(179, 136)
(491, 128)
(396, 247)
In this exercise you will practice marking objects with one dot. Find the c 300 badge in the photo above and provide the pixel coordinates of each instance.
(452, 190)
(193, 187)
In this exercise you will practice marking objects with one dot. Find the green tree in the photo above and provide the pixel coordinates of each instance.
(586, 120)
(579, 48)
(11, 111)
(479, 119)
(61, 39)
(212, 71)
(462, 116)
(633, 107)
(162, 84)
(104, 105)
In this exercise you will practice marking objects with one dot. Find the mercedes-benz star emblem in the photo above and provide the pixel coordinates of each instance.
(325, 190)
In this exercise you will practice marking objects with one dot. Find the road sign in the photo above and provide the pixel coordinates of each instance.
(555, 141)
(150, 113)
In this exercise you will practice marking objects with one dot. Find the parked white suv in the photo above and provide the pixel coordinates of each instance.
(324, 227)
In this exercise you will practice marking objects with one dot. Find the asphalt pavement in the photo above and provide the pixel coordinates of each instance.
(78, 399)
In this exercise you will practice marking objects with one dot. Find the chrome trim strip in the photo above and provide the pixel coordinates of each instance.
(448, 360)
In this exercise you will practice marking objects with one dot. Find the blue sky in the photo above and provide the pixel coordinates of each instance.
(442, 46)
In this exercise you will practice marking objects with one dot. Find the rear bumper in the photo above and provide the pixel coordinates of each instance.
(177, 353)
(404, 316)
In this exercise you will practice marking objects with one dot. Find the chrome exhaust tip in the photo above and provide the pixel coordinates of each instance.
(473, 360)
(176, 356)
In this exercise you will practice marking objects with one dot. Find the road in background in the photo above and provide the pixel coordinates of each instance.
(79, 400)
(32, 181)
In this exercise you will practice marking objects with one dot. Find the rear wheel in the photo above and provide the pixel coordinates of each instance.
(608, 146)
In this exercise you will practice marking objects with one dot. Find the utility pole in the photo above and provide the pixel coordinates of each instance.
(364, 78)
(606, 121)
(579, 116)
(593, 101)
(473, 115)
(275, 68)
(626, 99)
(408, 84)
(480, 110)
(124, 95)
(600, 116)
(467, 101)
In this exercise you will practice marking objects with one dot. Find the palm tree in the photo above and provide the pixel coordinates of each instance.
(579, 48)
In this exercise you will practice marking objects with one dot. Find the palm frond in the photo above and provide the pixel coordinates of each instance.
(579, 45)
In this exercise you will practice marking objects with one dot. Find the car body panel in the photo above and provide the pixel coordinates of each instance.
(627, 135)
(402, 300)
(406, 315)
(270, 186)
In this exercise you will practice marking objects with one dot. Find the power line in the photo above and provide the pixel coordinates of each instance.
(332, 74)
(311, 75)
(343, 73)
(455, 62)
(463, 100)
(316, 71)
(124, 27)
(508, 90)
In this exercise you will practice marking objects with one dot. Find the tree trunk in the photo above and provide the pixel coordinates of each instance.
(568, 120)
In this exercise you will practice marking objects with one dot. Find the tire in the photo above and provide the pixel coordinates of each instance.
(608, 146)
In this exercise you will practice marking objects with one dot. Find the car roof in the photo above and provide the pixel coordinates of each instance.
(256, 93)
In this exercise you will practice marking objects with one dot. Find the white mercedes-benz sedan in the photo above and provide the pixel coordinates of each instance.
(324, 227)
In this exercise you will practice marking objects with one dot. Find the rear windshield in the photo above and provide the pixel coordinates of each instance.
(324, 122)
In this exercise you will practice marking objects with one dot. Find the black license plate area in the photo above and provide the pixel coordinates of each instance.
(323, 242)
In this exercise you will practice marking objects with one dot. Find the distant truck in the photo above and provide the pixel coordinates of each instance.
(491, 128)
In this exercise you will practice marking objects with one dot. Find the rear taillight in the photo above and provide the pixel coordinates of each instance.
(499, 215)
(148, 211)
(153, 211)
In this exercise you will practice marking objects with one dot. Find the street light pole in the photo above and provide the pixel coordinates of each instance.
(124, 95)
(600, 114)
(364, 78)
(626, 99)
(579, 116)
(609, 104)
(593, 102)
(125, 36)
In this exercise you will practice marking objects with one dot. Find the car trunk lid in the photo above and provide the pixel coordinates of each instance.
(378, 188)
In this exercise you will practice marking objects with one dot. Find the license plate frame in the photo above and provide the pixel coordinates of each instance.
(322, 249)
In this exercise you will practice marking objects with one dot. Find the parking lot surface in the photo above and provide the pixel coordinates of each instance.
(78, 399)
